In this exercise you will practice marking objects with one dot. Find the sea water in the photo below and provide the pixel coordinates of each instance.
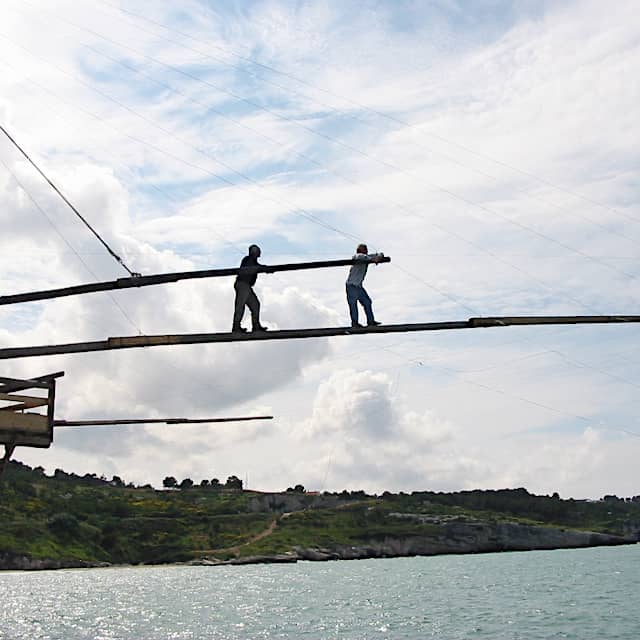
(580, 594)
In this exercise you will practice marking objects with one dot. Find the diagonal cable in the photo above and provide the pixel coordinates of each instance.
(84, 220)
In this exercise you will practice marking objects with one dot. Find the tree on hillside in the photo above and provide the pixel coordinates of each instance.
(187, 483)
(63, 524)
(233, 482)
(297, 489)
(204, 483)
(169, 482)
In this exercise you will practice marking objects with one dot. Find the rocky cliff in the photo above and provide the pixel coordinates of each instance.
(470, 537)
(16, 562)
(445, 537)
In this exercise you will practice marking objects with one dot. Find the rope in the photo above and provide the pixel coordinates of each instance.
(83, 262)
(84, 220)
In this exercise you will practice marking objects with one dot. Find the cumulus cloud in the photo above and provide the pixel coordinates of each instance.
(364, 433)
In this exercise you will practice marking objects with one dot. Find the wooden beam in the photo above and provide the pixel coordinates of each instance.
(9, 385)
(101, 423)
(32, 383)
(294, 334)
(22, 402)
(164, 278)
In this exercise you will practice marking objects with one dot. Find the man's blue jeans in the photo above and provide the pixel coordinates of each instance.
(357, 294)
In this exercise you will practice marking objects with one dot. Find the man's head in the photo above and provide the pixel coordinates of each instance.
(362, 248)
(254, 251)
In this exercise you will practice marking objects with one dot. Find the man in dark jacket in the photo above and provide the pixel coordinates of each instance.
(245, 295)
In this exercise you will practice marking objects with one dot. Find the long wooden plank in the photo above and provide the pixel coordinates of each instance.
(101, 423)
(24, 405)
(164, 278)
(9, 385)
(22, 402)
(294, 334)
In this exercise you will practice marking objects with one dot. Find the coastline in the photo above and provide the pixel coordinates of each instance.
(460, 538)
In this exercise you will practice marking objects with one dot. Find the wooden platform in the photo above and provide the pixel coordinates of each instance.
(19, 427)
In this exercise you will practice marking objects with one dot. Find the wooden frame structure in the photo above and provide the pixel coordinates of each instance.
(19, 427)
(36, 429)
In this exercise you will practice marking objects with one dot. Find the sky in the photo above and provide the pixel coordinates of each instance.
(491, 148)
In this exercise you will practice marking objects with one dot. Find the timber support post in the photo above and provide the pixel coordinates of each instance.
(4, 462)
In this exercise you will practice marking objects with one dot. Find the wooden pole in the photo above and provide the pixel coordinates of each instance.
(4, 462)
(291, 334)
(102, 423)
(11, 385)
(163, 278)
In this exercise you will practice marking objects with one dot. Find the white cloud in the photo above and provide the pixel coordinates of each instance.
(545, 88)
(364, 434)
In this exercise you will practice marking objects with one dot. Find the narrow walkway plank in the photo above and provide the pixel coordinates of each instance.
(294, 334)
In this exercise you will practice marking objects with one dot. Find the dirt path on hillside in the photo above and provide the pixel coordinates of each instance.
(236, 548)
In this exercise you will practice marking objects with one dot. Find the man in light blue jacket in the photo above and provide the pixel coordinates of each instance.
(355, 291)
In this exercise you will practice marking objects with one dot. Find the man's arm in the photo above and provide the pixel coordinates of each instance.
(371, 257)
(266, 267)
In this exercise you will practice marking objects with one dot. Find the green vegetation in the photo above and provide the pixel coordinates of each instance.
(353, 524)
(70, 518)
(609, 515)
(66, 517)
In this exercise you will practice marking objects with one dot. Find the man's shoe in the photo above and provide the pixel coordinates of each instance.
(356, 325)
(238, 330)
(259, 328)
(375, 323)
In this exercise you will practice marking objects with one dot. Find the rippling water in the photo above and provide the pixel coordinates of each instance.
(579, 594)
